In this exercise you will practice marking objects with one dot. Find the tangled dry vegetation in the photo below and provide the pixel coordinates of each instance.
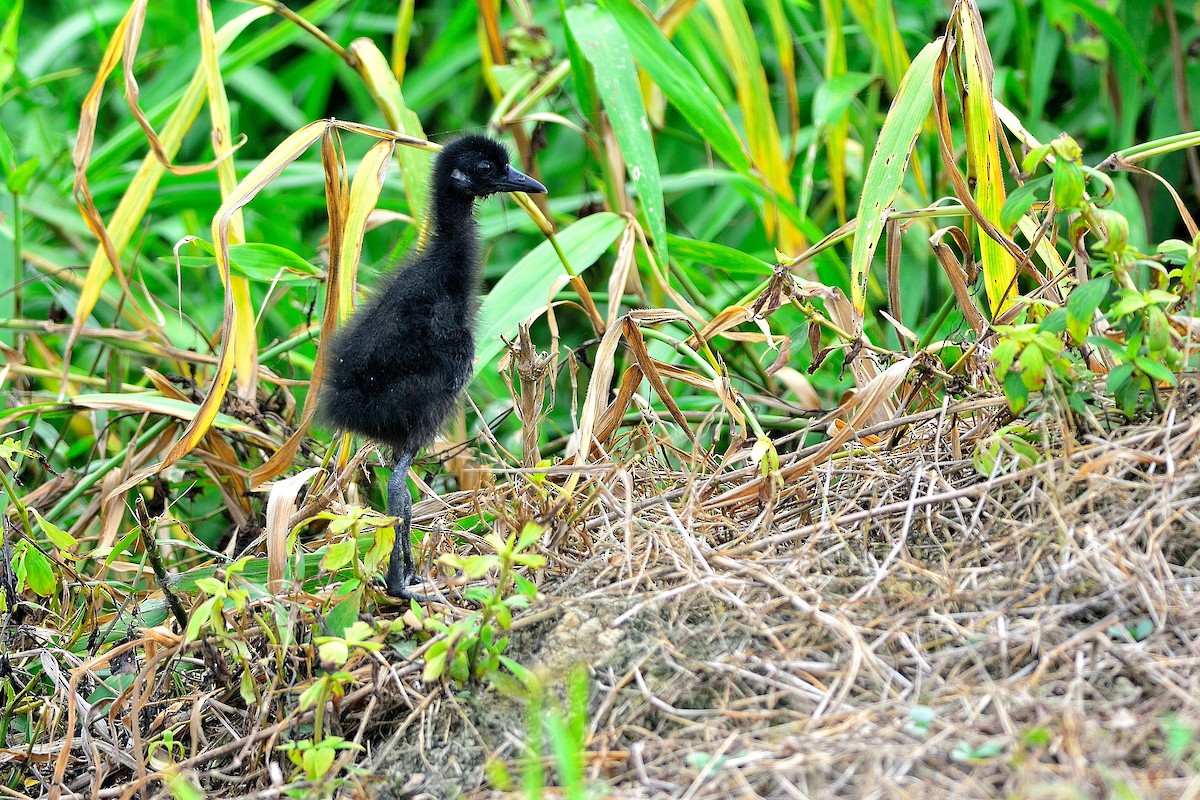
(891, 624)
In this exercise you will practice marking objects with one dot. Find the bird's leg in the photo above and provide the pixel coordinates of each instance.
(401, 572)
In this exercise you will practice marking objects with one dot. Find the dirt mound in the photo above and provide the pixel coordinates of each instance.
(895, 624)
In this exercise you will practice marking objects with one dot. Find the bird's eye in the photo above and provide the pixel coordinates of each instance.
(485, 167)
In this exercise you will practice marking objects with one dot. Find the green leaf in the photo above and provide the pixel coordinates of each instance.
(604, 45)
(1055, 322)
(19, 178)
(1112, 29)
(680, 82)
(338, 555)
(38, 573)
(885, 174)
(1021, 200)
(1033, 367)
(1004, 355)
(583, 74)
(1016, 391)
(318, 761)
(834, 96)
(121, 546)
(259, 262)
(200, 617)
(344, 614)
(211, 586)
(334, 650)
(1130, 302)
(526, 287)
(1119, 377)
(529, 534)
(61, 539)
(435, 661)
(1082, 305)
(246, 689)
(8, 43)
(1068, 185)
(726, 259)
(1154, 370)
(460, 669)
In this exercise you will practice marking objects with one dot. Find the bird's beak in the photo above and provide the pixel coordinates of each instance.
(517, 181)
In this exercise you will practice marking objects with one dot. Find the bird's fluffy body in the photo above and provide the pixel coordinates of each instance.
(398, 368)
(395, 372)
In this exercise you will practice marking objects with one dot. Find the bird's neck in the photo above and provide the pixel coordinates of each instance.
(454, 237)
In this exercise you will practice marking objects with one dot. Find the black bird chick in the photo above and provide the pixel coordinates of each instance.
(397, 369)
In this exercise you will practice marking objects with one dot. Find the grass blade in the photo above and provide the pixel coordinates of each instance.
(754, 96)
(679, 81)
(603, 44)
(415, 165)
(976, 74)
(525, 288)
(888, 165)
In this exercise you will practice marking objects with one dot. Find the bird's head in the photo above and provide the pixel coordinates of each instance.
(477, 166)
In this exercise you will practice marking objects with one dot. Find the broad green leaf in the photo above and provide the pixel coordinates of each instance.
(679, 80)
(338, 555)
(344, 614)
(1082, 305)
(38, 573)
(1112, 30)
(603, 44)
(834, 96)
(60, 538)
(529, 285)
(1020, 201)
(727, 259)
(265, 263)
(1054, 323)
(581, 72)
(888, 164)
(8, 43)
(1155, 370)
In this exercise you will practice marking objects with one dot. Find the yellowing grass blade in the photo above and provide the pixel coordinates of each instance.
(385, 89)
(839, 128)
(878, 20)
(976, 74)
(786, 54)
(762, 132)
(152, 403)
(133, 204)
(88, 116)
(258, 178)
(245, 341)
(289, 150)
(888, 165)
